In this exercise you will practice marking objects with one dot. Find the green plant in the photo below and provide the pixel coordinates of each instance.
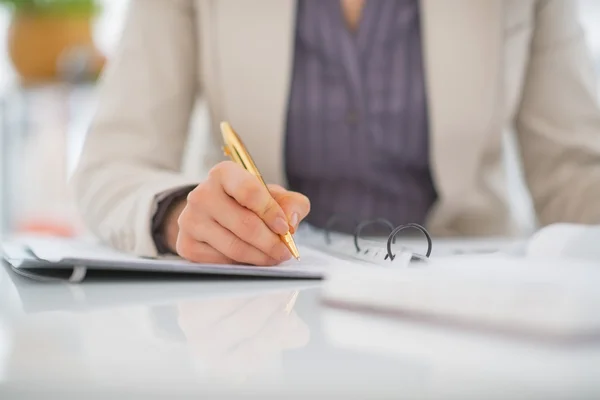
(56, 7)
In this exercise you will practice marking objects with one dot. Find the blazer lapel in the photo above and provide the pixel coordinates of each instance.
(463, 59)
(254, 66)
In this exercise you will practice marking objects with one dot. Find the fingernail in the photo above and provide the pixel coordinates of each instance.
(281, 226)
(294, 220)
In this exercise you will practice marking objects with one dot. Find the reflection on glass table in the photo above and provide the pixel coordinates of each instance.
(238, 339)
(132, 331)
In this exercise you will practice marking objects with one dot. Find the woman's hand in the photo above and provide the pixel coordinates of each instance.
(232, 218)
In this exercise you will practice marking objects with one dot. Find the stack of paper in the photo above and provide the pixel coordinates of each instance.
(38, 254)
(497, 292)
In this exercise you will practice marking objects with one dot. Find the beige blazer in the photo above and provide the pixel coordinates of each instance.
(492, 67)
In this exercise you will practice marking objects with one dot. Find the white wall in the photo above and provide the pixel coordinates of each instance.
(590, 18)
(6, 73)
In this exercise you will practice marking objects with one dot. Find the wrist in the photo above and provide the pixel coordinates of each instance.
(164, 222)
(170, 227)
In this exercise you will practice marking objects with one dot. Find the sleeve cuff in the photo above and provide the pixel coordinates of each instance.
(162, 205)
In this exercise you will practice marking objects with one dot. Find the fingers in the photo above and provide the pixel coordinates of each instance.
(199, 252)
(198, 226)
(249, 192)
(233, 217)
(246, 225)
(232, 246)
(296, 206)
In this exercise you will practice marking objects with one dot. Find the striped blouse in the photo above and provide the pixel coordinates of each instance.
(357, 134)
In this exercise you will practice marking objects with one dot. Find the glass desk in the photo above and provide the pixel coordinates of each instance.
(224, 338)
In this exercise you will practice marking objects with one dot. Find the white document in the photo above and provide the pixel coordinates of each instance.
(519, 294)
(51, 252)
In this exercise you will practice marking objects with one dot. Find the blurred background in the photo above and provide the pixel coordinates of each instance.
(47, 97)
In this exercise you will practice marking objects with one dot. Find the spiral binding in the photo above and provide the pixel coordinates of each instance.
(375, 251)
(336, 218)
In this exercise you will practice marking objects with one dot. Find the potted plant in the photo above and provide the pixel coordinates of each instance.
(52, 40)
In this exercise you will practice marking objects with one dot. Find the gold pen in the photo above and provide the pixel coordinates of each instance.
(235, 149)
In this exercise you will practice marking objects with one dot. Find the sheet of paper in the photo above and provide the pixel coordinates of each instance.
(534, 296)
(312, 264)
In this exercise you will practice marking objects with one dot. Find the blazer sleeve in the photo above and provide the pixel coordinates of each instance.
(134, 147)
(558, 123)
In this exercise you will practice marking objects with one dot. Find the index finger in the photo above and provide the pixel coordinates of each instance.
(250, 192)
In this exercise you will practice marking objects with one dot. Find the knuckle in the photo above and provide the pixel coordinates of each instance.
(266, 260)
(199, 195)
(270, 207)
(235, 249)
(190, 221)
(219, 169)
(275, 249)
(216, 169)
(182, 219)
(251, 225)
(213, 173)
(276, 188)
(250, 193)
(183, 248)
(190, 250)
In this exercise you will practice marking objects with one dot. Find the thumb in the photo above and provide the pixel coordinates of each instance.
(296, 206)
